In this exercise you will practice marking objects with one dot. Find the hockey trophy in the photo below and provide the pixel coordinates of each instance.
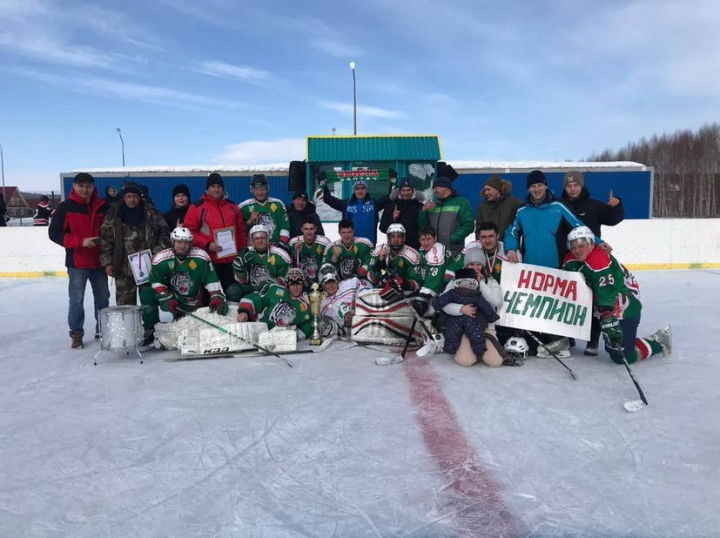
(315, 297)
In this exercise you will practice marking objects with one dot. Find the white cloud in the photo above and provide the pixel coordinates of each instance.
(222, 69)
(259, 151)
(371, 111)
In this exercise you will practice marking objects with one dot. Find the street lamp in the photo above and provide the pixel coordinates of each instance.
(122, 142)
(2, 168)
(352, 68)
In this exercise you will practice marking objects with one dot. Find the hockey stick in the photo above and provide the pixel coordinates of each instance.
(634, 405)
(384, 361)
(225, 331)
(532, 335)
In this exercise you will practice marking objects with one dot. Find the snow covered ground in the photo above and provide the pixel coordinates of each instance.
(338, 446)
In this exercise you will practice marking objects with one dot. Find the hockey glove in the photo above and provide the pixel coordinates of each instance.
(391, 290)
(173, 306)
(218, 304)
(612, 332)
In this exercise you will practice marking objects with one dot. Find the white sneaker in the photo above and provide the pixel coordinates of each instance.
(664, 338)
(432, 346)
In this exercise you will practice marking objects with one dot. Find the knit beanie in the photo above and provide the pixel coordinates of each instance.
(495, 182)
(405, 182)
(536, 176)
(443, 182)
(575, 176)
(131, 188)
(215, 179)
(474, 255)
(181, 189)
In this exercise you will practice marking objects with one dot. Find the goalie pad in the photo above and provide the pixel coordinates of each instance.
(279, 340)
(389, 330)
(204, 340)
(369, 303)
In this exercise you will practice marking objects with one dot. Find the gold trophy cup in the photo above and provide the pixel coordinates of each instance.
(315, 297)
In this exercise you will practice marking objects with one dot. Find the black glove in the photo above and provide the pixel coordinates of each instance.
(421, 303)
(612, 333)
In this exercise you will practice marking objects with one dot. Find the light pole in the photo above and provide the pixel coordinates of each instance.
(122, 142)
(352, 68)
(2, 168)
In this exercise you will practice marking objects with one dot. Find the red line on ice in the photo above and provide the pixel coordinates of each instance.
(480, 509)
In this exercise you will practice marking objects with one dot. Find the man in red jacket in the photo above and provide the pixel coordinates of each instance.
(213, 221)
(75, 225)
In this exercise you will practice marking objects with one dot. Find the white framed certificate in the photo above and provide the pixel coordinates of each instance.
(225, 238)
(141, 263)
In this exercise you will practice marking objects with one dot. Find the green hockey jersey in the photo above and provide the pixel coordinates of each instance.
(274, 305)
(272, 215)
(353, 260)
(252, 269)
(404, 264)
(435, 264)
(309, 258)
(183, 279)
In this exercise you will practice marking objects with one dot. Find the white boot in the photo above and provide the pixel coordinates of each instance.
(432, 345)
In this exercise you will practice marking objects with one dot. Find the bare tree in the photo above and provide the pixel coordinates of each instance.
(687, 170)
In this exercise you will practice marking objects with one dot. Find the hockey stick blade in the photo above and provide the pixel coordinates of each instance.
(385, 361)
(633, 406)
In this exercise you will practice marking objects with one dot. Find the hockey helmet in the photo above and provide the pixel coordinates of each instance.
(395, 228)
(181, 234)
(257, 229)
(328, 273)
(295, 274)
(581, 232)
(517, 347)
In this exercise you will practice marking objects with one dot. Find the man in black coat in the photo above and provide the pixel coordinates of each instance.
(180, 205)
(593, 213)
(405, 209)
(299, 210)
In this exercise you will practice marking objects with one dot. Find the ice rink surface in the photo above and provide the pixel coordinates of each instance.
(338, 446)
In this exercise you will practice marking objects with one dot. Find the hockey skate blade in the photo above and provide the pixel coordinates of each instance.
(633, 406)
(385, 361)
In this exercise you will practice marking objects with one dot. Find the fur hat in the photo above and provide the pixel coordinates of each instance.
(536, 176)
(215, 179)
(575, 176)
(495, 182)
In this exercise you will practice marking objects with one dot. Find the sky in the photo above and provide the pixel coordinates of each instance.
(225, 82)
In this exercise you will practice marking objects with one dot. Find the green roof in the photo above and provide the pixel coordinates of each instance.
(373, 148)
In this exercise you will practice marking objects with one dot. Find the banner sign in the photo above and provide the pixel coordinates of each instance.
(545, 300)
(355, 175)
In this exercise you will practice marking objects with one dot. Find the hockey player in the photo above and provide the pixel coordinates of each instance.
(338, 303)
(279, 307)
(616, 300)
(308, 250)
(258, 264)
(349, 255)
(433, 270)
(266, 211)
(177, 277)
(471, 314)
(395, 259)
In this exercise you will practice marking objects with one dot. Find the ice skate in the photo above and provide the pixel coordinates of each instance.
(664, 338)
(432, 346)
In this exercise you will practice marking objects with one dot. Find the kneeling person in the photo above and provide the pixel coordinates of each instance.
(616, 299)
(177, 277)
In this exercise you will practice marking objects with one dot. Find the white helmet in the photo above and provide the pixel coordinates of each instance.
(181, 234)
(581, 232)
(517, 347)
(395, 228)
(327, 273)
(259, 228)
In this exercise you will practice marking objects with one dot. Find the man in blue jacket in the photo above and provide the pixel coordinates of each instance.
(362, 210)
(541, 225)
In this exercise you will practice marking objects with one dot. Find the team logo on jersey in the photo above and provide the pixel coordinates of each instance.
(273, 207)
(259, 274)
(309, 267)
(192, 265)
(282, 314)
(181, 282)
(267, 221)
(347, 266)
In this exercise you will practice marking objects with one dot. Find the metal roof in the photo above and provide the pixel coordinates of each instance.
(373, 148)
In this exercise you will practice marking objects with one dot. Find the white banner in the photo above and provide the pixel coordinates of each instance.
(545, 300)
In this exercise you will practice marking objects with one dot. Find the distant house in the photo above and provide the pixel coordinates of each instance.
(17, 205)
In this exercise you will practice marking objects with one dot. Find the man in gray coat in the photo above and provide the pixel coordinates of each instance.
(499, 207)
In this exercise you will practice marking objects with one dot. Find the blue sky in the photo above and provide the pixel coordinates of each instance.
(231, 82)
